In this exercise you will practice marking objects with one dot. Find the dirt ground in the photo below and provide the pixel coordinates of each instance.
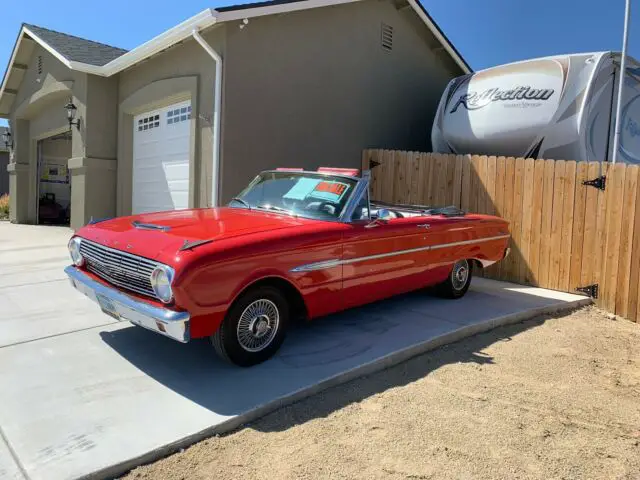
(551, 398)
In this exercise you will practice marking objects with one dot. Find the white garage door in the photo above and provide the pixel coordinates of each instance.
(161, 159)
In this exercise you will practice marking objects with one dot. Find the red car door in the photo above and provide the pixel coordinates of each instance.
(384, 260)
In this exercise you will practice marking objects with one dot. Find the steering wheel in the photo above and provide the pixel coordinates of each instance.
(321, 206)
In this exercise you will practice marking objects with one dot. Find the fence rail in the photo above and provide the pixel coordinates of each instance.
(565, 234)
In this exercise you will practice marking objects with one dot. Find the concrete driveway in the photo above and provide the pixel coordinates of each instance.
(81, 395)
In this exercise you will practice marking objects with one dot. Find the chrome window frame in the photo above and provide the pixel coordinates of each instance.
(360, 189)
(362, 185)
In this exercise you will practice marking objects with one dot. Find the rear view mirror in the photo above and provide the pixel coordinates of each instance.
(382, 218)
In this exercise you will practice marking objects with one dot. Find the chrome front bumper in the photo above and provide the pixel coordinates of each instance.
(123, 307)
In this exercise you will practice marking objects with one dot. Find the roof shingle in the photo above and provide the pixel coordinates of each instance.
(77, 49)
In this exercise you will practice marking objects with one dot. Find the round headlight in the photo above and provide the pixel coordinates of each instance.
(74, 251)
(161, 279)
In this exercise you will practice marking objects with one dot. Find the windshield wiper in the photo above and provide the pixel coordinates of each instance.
(243, 202)
(277, 209)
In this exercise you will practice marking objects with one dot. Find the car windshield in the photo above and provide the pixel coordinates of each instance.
(305, 194)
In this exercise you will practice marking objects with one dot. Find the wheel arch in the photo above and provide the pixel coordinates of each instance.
(296, 300)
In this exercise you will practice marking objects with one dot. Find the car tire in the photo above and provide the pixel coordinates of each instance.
(254, 327)
(458, 281)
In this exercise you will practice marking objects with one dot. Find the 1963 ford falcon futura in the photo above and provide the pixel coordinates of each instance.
(293, 244)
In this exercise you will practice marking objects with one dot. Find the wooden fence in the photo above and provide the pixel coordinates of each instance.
(565, 234)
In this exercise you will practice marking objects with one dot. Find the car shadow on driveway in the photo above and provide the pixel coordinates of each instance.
(317, 351)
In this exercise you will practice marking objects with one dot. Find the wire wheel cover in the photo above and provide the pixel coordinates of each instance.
(258, 325)
(460, 274)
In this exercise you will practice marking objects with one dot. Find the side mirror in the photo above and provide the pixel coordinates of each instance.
(383, 218)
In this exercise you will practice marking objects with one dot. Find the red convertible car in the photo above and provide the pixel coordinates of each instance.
(293, 244)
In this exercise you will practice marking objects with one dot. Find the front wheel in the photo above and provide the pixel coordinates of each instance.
(254, 327)
(458, 281)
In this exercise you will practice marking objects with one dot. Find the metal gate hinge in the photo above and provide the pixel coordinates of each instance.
(373, 164)
(590, 290)
(600, 183)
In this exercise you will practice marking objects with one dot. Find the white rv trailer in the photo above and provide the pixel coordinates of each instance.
(560, 107)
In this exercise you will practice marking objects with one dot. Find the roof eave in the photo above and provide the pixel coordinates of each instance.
(180, 32)
(444, 41)
(203, 20)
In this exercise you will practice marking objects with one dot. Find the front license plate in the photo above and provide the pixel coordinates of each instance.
(107, 306)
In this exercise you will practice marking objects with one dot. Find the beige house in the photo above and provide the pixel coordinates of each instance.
(188, 118)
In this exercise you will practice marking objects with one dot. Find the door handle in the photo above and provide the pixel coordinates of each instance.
(424, 225)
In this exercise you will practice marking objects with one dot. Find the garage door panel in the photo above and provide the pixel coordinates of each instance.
(161, 159)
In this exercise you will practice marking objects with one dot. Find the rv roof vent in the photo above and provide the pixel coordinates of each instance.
(386, 32)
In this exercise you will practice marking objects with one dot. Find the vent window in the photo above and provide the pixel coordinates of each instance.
(39, 64)
(148, 123)
(386, 33)
(179, 115)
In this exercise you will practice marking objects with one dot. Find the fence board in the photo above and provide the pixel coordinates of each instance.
(432, 174)
(567, 226)
(456, 198)
(612, 235)
(563, 234)
(547, 216)
(623, 273)
(387, 174)
(441, 166)
(482, 186)
(473, 185)
(448, 193)
(601, 225)
(556, 223)
(400, 177)
(634, 276)
(524, 249)
(499, 204)
(465, 202)
(536, 222)
(590, 230)
(516, 217)
(577, 239)
(414, 175)
(490, 183)
(507, 264)
(423, 175)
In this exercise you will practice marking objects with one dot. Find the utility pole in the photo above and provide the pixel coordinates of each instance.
(623, 72)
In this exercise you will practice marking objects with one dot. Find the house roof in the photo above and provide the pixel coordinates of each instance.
(104, 60)
(75, 48)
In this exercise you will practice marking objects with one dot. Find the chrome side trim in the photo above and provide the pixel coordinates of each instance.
(149, 226)
(309, 267)
(174, 324)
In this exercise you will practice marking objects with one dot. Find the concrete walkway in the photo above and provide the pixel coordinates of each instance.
(81, 395)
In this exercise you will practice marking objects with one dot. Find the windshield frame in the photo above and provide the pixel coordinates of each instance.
(360, 188)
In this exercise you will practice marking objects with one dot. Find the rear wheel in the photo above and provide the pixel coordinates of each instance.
(254, 327)
(458, 281)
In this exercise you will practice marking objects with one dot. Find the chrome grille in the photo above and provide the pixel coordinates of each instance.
(119, 268)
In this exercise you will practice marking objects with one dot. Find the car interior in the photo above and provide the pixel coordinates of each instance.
(408, 211)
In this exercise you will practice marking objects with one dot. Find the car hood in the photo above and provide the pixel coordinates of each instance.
(154, 235)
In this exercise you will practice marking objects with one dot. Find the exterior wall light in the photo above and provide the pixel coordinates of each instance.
(71, 115)
(7, 138)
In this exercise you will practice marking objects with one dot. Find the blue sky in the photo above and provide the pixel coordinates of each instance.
(486, 32)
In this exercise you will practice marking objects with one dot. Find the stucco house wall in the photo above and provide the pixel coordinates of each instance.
(185, 72)
(332, 89)
(301, 87)
(38, 112)
(4, 175)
